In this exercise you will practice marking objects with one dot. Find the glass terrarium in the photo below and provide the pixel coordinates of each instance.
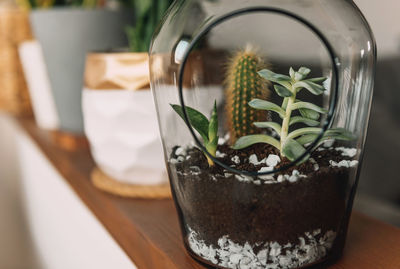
(263, 107)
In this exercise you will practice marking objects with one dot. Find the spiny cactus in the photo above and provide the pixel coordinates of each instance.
(243, 85)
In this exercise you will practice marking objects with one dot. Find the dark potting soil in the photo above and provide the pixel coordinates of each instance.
(215, 205)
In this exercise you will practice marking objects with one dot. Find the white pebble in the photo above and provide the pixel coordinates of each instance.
(347, 152)
(221, 141)
(273, 160)
(253, 159)
(180, 151)
(220, 154)
(235, 258)
(235, 159)
(329, 143)
(265, 169)
(344, 163)
(316, 167)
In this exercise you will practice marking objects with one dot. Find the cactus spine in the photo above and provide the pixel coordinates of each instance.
(243, 85)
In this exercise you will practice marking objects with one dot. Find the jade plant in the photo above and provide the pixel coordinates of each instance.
(291, 143)
(242, 85)
(207, 129)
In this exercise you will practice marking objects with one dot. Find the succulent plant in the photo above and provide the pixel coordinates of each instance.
(207, 129)
(243, 84)
(292, 144)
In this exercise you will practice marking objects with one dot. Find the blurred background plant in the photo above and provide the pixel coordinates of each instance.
(148, 14)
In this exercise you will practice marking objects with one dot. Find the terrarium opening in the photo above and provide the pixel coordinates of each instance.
(238, 88)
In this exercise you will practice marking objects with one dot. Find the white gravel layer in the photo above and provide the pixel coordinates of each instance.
(309, 248)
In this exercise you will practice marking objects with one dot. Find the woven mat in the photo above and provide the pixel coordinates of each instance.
(107, 184)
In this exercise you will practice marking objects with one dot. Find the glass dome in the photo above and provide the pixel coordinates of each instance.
(263, 107)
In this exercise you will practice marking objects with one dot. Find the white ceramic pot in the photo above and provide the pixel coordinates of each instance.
(121, 126)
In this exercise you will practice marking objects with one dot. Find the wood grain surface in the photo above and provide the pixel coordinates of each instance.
(148, 230)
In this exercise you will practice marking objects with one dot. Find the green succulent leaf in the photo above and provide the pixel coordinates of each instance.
(269, 124)
(213, 126)
(292, 149)
(304, 120)
(298, 76)
(284, 103)
(317, 80)
(282, 91)
(304, 131)
(266, 105)
(277, 78)
(249, 140)
(211, 147)
(312, 87)
(199, 122)
(310, 114)
(291, 72)
(337, 133)
(304, 71)
(301, 74)
(306, 105)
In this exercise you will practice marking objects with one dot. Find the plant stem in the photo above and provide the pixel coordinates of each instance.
(210, 162)
(286, 119)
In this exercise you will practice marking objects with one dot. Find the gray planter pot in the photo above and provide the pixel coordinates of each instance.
(66, 35)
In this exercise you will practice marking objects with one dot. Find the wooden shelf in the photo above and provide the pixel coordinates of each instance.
(148, 230)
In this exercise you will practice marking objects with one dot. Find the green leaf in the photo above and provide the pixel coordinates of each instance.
(308, 113)
(317, 80)
(284, 103)
(269, 124)
(292, 149)
(300, 105)
(301, 74)
(291, 72)
(304, 131)
(213, 126)
(310, 86)
(304, 71)
(246, 141)
(338, 133)
(211, 147)
(142, 7)
(277, 78)
(304, 120)
(266, 105)
(197, 120)
(282, 91)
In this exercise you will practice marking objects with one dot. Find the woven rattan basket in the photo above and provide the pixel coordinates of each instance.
(14, 29)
